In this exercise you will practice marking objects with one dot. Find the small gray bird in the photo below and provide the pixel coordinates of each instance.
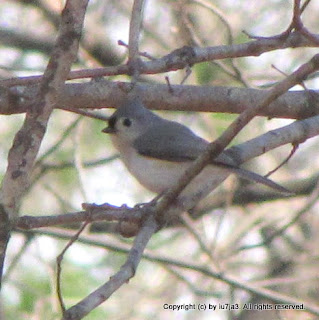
(157, 152)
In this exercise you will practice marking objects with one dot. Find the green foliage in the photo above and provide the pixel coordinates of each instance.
(35, 292)
(206, 72)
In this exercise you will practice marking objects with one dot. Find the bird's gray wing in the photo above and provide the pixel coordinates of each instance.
(170, 141)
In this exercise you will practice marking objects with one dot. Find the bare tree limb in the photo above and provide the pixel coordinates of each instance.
(103, 212)
(135, 29)
(28, 139)
(106, 94)
(183, 57)
(38, 101)
(127, 271)
(204, 270)
(92, 42)
(216, 147)
(296, 132)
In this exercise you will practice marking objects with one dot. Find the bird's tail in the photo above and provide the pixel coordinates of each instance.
(252, 176)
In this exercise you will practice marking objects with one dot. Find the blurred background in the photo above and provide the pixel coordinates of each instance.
(78, 164)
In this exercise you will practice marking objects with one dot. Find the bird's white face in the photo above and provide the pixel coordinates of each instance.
(126, 129)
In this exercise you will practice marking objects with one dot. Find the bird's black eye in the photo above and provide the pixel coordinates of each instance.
(127, 122)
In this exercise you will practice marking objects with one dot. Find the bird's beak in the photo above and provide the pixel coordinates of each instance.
(109, 130)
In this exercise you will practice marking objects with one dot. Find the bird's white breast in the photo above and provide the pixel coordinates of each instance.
(159, 175)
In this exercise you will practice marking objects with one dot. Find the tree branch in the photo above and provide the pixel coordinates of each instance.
(103, 212)
(297, 133)
(126, 272)
(216, 147)
(183, 57)
(28, 139)
(204, 270)
(106, 94)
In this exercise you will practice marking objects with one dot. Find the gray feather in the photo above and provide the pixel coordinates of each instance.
(174, 143)
(179, 144)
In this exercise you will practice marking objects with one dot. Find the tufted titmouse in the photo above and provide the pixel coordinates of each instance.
(157, 152)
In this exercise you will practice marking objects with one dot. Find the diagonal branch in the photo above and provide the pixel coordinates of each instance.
(247, 286)
(297, 132)
(28, 139)
(216, 147)
(126, 272)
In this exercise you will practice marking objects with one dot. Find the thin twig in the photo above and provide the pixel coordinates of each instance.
(236, 126)
(204, 270)
(127, 271)
(142, 54)
(65, 134)
(247, 150)
(172, 61)
(187, 222)
(310, 203)
(86, 113)
(195, 288)
(230, 40)
(292, 152)
(27, 242)
(59, 267)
